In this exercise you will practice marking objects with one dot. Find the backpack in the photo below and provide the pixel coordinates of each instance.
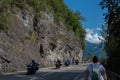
(95, 73)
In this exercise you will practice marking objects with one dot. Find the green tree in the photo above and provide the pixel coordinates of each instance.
(112, 30)
(90, 56)
(103, 54)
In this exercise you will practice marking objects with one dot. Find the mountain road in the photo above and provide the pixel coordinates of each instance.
(72, 72)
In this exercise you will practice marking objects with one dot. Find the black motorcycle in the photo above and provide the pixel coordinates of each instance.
(58, 64)
(31, 69)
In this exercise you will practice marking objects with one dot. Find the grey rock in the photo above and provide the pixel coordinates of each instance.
(40, 39)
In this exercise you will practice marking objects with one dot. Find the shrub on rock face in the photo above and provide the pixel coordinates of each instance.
(3, 24)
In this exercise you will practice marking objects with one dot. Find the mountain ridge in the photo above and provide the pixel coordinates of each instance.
(94, 48)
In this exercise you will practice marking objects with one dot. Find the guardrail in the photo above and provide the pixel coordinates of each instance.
(112, 76)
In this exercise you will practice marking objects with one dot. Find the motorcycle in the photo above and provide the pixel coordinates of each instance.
(58, 64)
(67, 63)
(31, 69)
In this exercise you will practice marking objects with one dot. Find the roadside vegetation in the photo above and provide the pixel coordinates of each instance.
(111, 33)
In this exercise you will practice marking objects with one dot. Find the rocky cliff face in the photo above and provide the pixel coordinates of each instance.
(41, 39)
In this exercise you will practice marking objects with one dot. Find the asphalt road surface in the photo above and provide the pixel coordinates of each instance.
(74, 72)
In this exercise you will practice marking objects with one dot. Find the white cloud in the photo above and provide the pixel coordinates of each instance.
(99, 29)
(92, 36)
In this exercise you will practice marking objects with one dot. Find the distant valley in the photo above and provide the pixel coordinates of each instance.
(93, 48)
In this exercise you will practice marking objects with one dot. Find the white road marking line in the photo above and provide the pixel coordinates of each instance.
(20, 75)
(76, 78)
(47, 73)
(33, 78)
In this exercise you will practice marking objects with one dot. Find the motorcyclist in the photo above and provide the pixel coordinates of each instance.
(32, 67)
(58, 63)
(67, 62)
(76, 61)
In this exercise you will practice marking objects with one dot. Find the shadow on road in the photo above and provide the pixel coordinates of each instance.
(59, 75)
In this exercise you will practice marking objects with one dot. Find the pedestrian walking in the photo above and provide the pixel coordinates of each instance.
(95, 71)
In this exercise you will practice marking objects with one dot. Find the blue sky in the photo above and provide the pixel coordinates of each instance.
(93, 14)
